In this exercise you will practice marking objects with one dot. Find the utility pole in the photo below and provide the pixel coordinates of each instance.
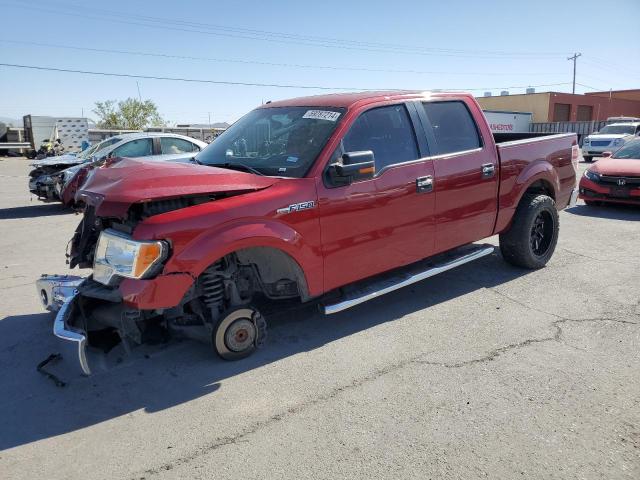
(574, 58)
(140, 96)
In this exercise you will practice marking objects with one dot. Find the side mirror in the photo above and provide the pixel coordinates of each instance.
(606, 154)
(353, 166)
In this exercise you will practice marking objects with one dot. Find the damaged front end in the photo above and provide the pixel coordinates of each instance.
(95, 315)
(129, 299)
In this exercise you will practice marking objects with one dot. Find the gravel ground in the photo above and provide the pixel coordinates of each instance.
(485, 371)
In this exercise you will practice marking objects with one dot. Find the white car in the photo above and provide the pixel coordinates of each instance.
(609, 139)
(150, 146)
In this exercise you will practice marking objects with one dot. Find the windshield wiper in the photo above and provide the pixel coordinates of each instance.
(236, 166)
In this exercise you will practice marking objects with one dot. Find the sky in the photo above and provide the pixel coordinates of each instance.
(338, 45)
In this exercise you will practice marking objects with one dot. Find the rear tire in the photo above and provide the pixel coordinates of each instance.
(591, 203)
(588, 159)
(533, 235)
(238, 333)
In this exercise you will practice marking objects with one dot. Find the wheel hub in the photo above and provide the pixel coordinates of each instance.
(240, 335)
(541, 233)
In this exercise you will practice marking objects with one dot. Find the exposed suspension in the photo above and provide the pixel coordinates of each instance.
(212, 284)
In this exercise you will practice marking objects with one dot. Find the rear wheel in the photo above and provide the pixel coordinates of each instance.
(591, 203)
(532, 238)
(588, 159)
(238, 333)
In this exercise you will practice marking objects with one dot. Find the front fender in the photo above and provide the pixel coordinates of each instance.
(213, 244)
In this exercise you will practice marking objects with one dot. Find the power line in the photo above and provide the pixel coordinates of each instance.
(607, 66)
(256, 62)
(252, 84)
(179, 79)
(235, 32)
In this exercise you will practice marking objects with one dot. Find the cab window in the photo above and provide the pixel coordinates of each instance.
(141, 147)
(453, 126)
(387, 131)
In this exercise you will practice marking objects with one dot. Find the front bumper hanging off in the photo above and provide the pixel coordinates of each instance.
(54, 290)
(58, 293)
(76, 337)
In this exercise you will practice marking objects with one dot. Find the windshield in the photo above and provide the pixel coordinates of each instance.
(618, 129)
(89, 151)
(630, 150)
(279, 141)
(104, 144)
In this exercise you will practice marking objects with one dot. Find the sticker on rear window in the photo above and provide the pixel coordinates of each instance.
(322, 115)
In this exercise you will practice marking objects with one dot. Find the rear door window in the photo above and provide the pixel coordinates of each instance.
(387, 131)
(453, 126)
(173, 145)
(141, 147)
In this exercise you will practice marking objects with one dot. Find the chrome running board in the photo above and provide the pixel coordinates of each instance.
(380, 287)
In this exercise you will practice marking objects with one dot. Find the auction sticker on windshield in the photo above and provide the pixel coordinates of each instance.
(322, 115)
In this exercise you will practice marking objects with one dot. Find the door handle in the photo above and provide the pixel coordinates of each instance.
(488, 170)
(424, 184)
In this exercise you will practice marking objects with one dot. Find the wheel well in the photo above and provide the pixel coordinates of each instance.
(276, 273)
(541, 187)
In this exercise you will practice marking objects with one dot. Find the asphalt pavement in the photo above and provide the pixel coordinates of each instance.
(487, 371)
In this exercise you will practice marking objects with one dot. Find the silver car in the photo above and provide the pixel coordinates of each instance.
(49, 175)
(609, 139)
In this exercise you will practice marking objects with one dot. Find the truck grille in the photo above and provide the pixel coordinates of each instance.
(600, 143)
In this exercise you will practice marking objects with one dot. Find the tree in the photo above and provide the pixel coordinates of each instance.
(130, 114)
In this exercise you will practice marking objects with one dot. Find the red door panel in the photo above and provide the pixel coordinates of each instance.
(376, 225)
(466, 172)
(465, 198)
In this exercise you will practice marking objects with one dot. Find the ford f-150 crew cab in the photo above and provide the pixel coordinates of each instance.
(338, 198)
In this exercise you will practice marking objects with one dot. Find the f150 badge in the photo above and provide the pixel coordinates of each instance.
(297, 207)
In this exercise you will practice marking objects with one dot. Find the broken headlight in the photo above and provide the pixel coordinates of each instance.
(117, 255)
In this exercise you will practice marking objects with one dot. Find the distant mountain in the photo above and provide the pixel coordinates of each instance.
(12, 122)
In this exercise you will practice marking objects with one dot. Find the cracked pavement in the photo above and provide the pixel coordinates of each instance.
(487, 371)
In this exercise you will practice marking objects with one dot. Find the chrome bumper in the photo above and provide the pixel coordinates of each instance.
(574, 198)
(77, 339)
(54, 290)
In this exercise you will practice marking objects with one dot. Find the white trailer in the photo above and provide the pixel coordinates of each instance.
(501, 121)
(72, 131)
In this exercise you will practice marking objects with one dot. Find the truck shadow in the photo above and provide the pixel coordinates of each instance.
(33, 408)
(33, 211)
(610, 212)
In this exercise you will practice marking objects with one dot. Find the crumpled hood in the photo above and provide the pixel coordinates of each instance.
(59, 160)
(114, 189)
(617, 167)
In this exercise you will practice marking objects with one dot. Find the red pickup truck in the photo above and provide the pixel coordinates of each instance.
(339, 198)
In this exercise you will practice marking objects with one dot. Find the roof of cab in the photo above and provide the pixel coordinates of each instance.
(346, 100)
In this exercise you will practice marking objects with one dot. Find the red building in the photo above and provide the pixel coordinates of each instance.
(563, 107)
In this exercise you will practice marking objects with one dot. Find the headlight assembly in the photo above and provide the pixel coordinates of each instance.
(594, 177)
(117, 255)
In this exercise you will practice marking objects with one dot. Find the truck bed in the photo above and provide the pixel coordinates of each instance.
(548, 157)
